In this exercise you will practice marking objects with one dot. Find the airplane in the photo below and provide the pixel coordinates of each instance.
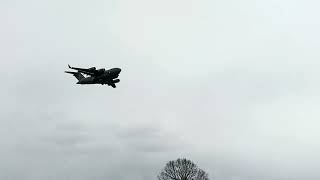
(96, 76)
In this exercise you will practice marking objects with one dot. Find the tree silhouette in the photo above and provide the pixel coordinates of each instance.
(182, 169)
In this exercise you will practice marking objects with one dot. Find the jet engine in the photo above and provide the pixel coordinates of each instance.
(92, 69)
(101, 71)
(116, 80)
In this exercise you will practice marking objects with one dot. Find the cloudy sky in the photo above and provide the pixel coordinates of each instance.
(232, 85)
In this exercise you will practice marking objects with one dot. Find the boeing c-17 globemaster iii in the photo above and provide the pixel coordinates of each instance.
(96, 76)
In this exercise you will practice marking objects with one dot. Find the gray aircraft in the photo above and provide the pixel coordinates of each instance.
(96, 76)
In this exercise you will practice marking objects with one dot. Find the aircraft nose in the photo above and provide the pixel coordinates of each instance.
(119, 70)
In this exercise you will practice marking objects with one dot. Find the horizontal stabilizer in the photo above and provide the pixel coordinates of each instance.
(71, 72)
(78, 75)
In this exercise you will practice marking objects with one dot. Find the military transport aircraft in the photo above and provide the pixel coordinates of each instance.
(96, 76)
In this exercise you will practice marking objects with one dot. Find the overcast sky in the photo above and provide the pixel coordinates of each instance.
(232, 85)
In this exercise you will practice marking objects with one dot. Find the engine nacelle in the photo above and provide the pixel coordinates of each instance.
(92, 68)
(101, 70)
(116, 80)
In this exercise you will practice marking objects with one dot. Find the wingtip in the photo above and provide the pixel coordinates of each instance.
(69, 66)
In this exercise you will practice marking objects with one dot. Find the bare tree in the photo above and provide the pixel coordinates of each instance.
(202, 175)
(182, 169)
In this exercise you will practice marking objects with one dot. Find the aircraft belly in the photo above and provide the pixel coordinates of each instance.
(88, 80)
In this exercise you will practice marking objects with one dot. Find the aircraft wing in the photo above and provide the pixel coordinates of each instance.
(87, 72)
(91, 71)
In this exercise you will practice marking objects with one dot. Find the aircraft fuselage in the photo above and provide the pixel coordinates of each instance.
(108, 76)
(96, 76)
